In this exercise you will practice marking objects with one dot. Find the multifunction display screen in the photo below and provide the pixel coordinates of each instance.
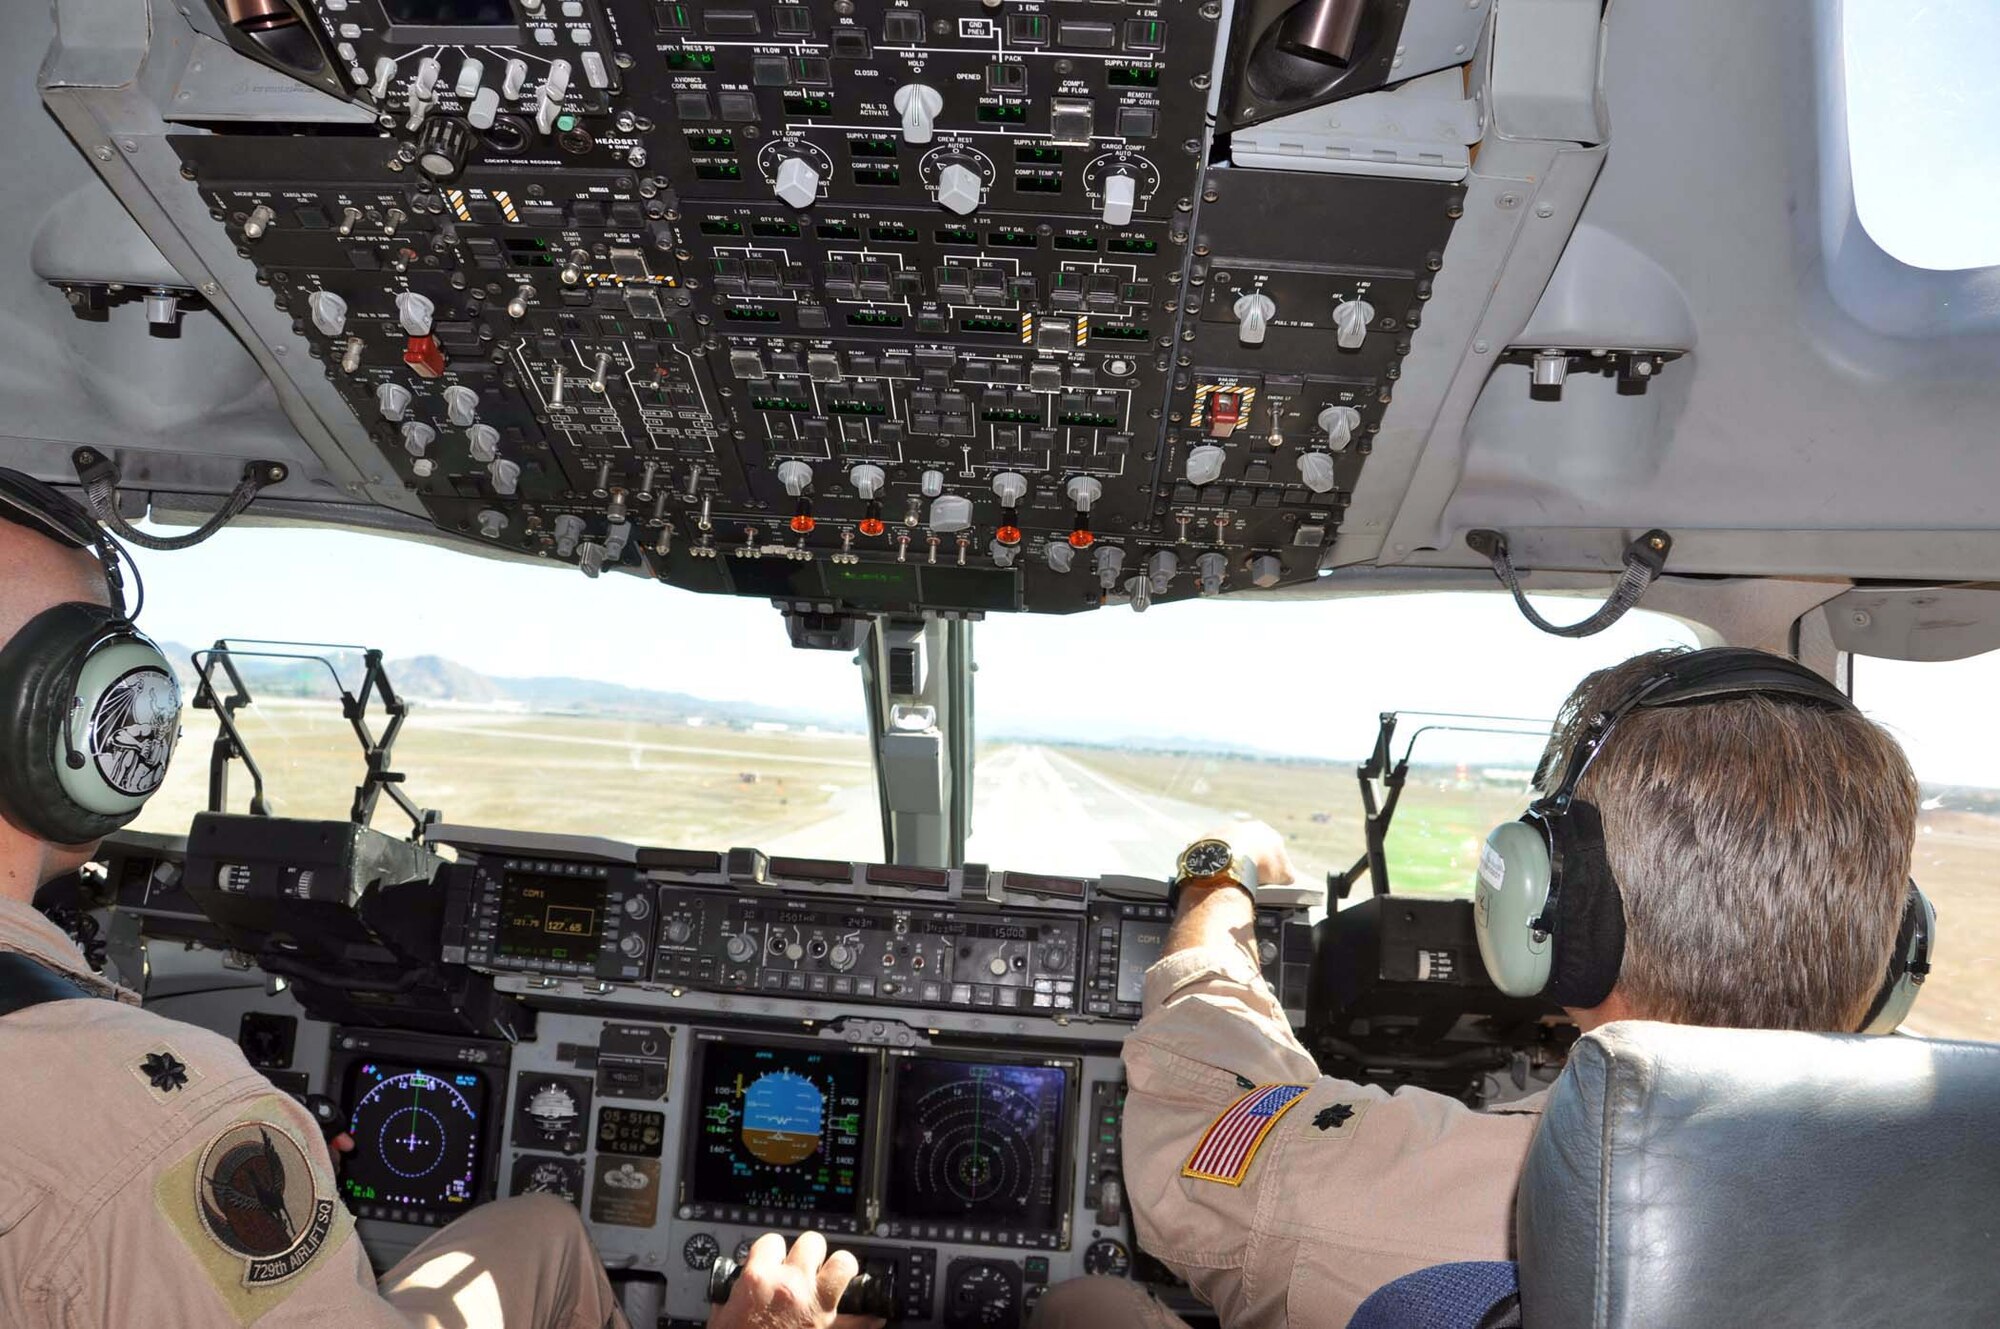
(979, 1142)
(550, 918)
(781, 1127)
(419, 1134)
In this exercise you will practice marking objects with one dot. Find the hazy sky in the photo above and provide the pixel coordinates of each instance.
(1921, 105)
(1301, 678)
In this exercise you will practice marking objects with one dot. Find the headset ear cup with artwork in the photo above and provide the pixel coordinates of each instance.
(89, 714)
(1909, 965)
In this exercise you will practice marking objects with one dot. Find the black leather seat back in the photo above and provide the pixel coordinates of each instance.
(1691, 1178)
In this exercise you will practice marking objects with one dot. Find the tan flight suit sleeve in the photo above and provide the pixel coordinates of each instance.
(1350, 1188)
(150, 1176)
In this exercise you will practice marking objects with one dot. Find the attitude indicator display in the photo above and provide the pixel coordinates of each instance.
(418, 1135)
(780, 1128)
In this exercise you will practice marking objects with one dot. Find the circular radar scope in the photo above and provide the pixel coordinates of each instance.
(783, 1116)
(417, 1124)
(977, 1141)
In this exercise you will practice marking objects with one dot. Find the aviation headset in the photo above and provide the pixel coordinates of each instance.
(1547, 909)
(89, 707)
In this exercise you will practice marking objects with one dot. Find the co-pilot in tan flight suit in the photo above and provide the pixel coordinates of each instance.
(150, 1176)
(1299, 1210)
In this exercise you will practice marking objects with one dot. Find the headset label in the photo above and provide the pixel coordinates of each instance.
(132, 732)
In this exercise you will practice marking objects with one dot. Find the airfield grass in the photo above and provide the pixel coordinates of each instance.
(662, 783)
(1434, 839)
(644, 781)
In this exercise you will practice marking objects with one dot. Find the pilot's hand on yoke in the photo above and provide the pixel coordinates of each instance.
(799, 1289)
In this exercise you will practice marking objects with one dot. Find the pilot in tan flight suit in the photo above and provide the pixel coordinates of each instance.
(149, 1175)
(1762, 852)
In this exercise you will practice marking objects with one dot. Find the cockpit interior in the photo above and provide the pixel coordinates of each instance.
(715, 551)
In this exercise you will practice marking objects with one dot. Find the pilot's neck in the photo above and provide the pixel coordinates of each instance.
(27, 862)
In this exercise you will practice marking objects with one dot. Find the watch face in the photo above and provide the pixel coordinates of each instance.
(1206, 858)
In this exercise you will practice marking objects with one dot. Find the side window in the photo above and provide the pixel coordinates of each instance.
(1936, 711)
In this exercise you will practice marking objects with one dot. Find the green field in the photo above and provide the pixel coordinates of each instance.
(1433, 844)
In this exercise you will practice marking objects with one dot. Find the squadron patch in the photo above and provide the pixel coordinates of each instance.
(257, 1200)
(1232, 1140)
(255, 1207)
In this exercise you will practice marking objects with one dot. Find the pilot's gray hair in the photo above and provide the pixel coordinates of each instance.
(1762, 848)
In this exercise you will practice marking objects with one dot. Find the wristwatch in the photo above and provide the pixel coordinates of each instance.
(1213, 862)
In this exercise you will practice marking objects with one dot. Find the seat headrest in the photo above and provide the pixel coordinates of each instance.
(1688, 1178)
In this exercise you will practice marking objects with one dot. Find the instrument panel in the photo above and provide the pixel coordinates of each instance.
(878, 306)
(704, 931)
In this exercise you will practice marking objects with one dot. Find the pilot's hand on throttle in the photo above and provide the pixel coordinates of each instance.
(799, 1289)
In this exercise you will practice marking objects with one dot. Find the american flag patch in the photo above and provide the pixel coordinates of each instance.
(1225, 1152)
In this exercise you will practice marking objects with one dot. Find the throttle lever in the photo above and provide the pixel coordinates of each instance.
(866, 1295)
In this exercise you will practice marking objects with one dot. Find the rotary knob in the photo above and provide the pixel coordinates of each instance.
(679, 930)
(393, 400)
(1254, 313)
(482, 443)
(1055, 956)
(1350, 323)
(632, 945)
(741, 948)
(958, 188)
(797, 182)
(841, 956)
(505, 475)
(1339, 423)
(1204, 464)
(918, 104)
(1316, 471)
(443, 147)
(414, 312)
(638, 906)
(460, 404)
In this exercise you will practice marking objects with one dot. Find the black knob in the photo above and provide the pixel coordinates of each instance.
(866, 1295)
(443, 146)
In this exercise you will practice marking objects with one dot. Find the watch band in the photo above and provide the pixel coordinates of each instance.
(1241, 873)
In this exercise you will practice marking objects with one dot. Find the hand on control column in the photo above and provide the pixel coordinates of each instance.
(795, 1290)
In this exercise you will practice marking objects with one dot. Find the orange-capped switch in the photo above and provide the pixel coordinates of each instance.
(424, 356)
(1008, 535)
(802, 519)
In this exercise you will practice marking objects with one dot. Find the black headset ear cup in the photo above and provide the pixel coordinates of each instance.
(39, 672)
(1589, 921)
(1909, 965)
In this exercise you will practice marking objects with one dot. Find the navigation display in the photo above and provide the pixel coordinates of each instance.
(550, 918)
(780, 1127)
(418, 1137)
(979, 1142)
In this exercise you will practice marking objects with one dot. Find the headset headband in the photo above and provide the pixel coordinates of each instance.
(49, 512)
(1698, 676)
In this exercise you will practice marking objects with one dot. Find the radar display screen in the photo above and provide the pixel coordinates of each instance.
(979, 1142)
(780, 1127)
(418, 1138)
(550, 918)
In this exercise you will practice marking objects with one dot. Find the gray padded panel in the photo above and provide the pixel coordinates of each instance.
(1691, 1178)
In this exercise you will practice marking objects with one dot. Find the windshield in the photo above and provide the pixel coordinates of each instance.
(1933, 710)
(538, 701)
(1109, 740)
